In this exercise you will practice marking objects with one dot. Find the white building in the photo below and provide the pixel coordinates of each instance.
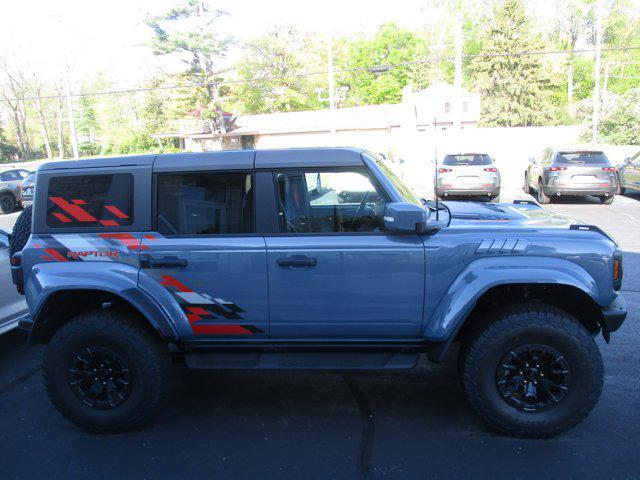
(379, 127)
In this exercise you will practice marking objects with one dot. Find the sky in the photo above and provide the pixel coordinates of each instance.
(110, 35)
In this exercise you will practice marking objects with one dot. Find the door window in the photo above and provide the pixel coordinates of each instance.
(205, 203)
(329, 202)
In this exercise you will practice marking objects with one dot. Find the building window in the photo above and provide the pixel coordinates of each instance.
(205, 203)
(465, 107)
(447, 107)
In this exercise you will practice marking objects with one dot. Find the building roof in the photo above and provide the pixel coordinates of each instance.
(443, 90)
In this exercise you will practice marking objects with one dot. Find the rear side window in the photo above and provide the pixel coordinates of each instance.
(582, 158)
(205, 203)
(90, 201)
(467, 159)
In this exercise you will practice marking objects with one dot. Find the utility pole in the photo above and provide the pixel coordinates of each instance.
(332, 97)
(457, 122)
(596, 87)
(605, 94)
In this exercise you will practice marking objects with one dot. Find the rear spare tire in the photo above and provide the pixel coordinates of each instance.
(21, 231)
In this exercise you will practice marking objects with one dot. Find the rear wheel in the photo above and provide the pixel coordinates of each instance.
(531, 371)
(606, 200)
(543, 198)
(106, 373)
(7, 203)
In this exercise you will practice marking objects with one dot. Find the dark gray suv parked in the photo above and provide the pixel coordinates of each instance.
(560, 172)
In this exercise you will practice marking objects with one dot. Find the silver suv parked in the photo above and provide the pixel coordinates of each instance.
(468, 174)
(571, 172)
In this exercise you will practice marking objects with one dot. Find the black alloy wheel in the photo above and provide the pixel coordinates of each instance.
(533, 377)
(99, 377)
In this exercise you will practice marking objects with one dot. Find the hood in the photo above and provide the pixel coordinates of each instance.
(470, 214)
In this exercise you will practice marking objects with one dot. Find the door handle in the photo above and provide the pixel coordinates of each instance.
(297, 262)
(167, 262)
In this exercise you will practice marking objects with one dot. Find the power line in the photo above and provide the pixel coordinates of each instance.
(372, 69)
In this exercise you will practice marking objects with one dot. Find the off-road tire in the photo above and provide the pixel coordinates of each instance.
(606, 200)
(21, 231)
(147, 358)
(7, 203)
(499, 333)
(543, 198)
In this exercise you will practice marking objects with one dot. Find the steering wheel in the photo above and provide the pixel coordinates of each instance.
(363, 204)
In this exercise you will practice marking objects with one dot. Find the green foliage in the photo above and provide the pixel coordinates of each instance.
(391, 45)
(622, 125)
(189, 32)
(282, 52)
(514, 88)
(7, 151)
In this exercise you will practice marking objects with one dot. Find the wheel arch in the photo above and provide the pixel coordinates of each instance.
(490, 282)
(62, 305)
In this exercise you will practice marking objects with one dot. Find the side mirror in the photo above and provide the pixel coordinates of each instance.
(405, 217)
(627, 160)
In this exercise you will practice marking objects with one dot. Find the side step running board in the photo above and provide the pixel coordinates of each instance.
(302, 360)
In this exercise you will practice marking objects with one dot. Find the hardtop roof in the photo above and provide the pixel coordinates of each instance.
(272, 158)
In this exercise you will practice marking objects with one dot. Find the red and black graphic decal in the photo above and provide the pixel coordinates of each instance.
(205, 313)
(75, 248)
(74, 212)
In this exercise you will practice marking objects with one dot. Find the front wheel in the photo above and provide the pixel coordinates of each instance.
(105, 373)
(531, 370)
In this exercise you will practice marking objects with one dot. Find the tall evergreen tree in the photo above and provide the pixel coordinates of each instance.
(189, 31)
(513, 87)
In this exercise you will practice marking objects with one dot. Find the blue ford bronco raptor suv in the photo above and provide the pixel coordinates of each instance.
(305, 259)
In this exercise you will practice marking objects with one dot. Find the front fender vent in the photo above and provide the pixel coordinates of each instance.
(502, 246)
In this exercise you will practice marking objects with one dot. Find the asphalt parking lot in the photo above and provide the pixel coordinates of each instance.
(406, 424)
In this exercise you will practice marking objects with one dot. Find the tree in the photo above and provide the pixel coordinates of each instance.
(13, 90)
(514, 88)
(391, 45)
(570, 26)
(7, 151)
(189, 31)
(621, 125)
(275, 60)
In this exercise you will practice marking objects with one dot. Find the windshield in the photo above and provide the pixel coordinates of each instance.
(467, 159)
(405, 192)
(582, 158)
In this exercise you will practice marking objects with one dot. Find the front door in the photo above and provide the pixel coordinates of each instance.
(334, 273)
(206, 254)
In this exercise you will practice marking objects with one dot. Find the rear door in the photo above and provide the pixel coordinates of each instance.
(204, 250)
(334, 273)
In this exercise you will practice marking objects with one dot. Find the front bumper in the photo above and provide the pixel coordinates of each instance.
(613, 316)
